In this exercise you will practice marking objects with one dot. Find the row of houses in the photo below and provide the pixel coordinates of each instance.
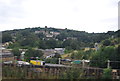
(52, 34)
(51, 52)
(7, 55)
(48, 34)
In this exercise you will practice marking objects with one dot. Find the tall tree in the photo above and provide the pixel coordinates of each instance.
(6, 37)
(33, 53)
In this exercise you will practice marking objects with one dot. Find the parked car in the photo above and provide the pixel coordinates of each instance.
(76, 62)
(68, 60)
(8, 62)
(21, 63)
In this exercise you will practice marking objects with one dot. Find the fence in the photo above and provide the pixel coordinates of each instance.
(11, 71)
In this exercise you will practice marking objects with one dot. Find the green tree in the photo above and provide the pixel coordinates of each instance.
(57, 55)
(51, 43)
(14, 45)
(106, 42)
(42, 45)
(73, 56)
(107, 73)
(52, 60)
(33, 53)
(6, 37)
(72, 73)
(41, 35)
(103, 55)
(16, 52)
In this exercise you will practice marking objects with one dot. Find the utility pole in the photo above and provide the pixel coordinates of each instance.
(83, 62)
(22, 55)
(59, 60)
(108, 64)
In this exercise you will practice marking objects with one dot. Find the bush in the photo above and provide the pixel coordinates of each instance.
(106, 42)
(107, 73)
(72, 73)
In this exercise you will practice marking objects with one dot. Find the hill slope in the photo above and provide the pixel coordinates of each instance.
(46, 38)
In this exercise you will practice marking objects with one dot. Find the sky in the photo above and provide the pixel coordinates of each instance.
(83, 15)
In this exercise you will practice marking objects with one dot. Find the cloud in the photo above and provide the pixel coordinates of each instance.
(10, 9)
(84, 15)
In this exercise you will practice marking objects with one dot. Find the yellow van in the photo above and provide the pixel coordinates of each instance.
(37, 62)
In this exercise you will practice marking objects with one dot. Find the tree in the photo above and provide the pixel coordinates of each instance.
(72, 73)
(42, 45)
(6, 37)
(103, 55)
(57, 55)
(27, 42)
(118, 49)
(14, 45)
(31, 41)
(52, 60)
(33, 53)
(25, 33)
(71, 44)
(106, 42)
(107, 73)
(51, 43)
(41, 35)
(16, 52)
(61, 36)
(73, 55)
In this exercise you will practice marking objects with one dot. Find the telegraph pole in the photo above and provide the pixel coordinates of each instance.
(59, 60)
(83, 62)
(108, 64)
(22, 56)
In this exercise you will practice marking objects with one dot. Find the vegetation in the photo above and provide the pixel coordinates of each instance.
(104, 54)
(6, 37)
(53, 60)
(69, 39)
(16, 52)
(107, 73)
(72, 73)
(79, 45)
(33, 53)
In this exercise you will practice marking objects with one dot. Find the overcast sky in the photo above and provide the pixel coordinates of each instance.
(82, 15)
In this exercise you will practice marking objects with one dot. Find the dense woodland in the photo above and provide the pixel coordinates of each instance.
(108, 43)
(69, 39)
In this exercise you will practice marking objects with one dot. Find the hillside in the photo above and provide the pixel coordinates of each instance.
(79, 45)
(46, 38)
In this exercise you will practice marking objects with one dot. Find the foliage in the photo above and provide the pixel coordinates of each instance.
(67, 51)
(33, 53)
(107, 73)
(57, 55)
(106, 42)
(52, 60)
(72, 73)
(15, 45)
(81, 54)
(74, 42)
(16, 52)
(69, 39)
(6, 37)
(101, 56)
